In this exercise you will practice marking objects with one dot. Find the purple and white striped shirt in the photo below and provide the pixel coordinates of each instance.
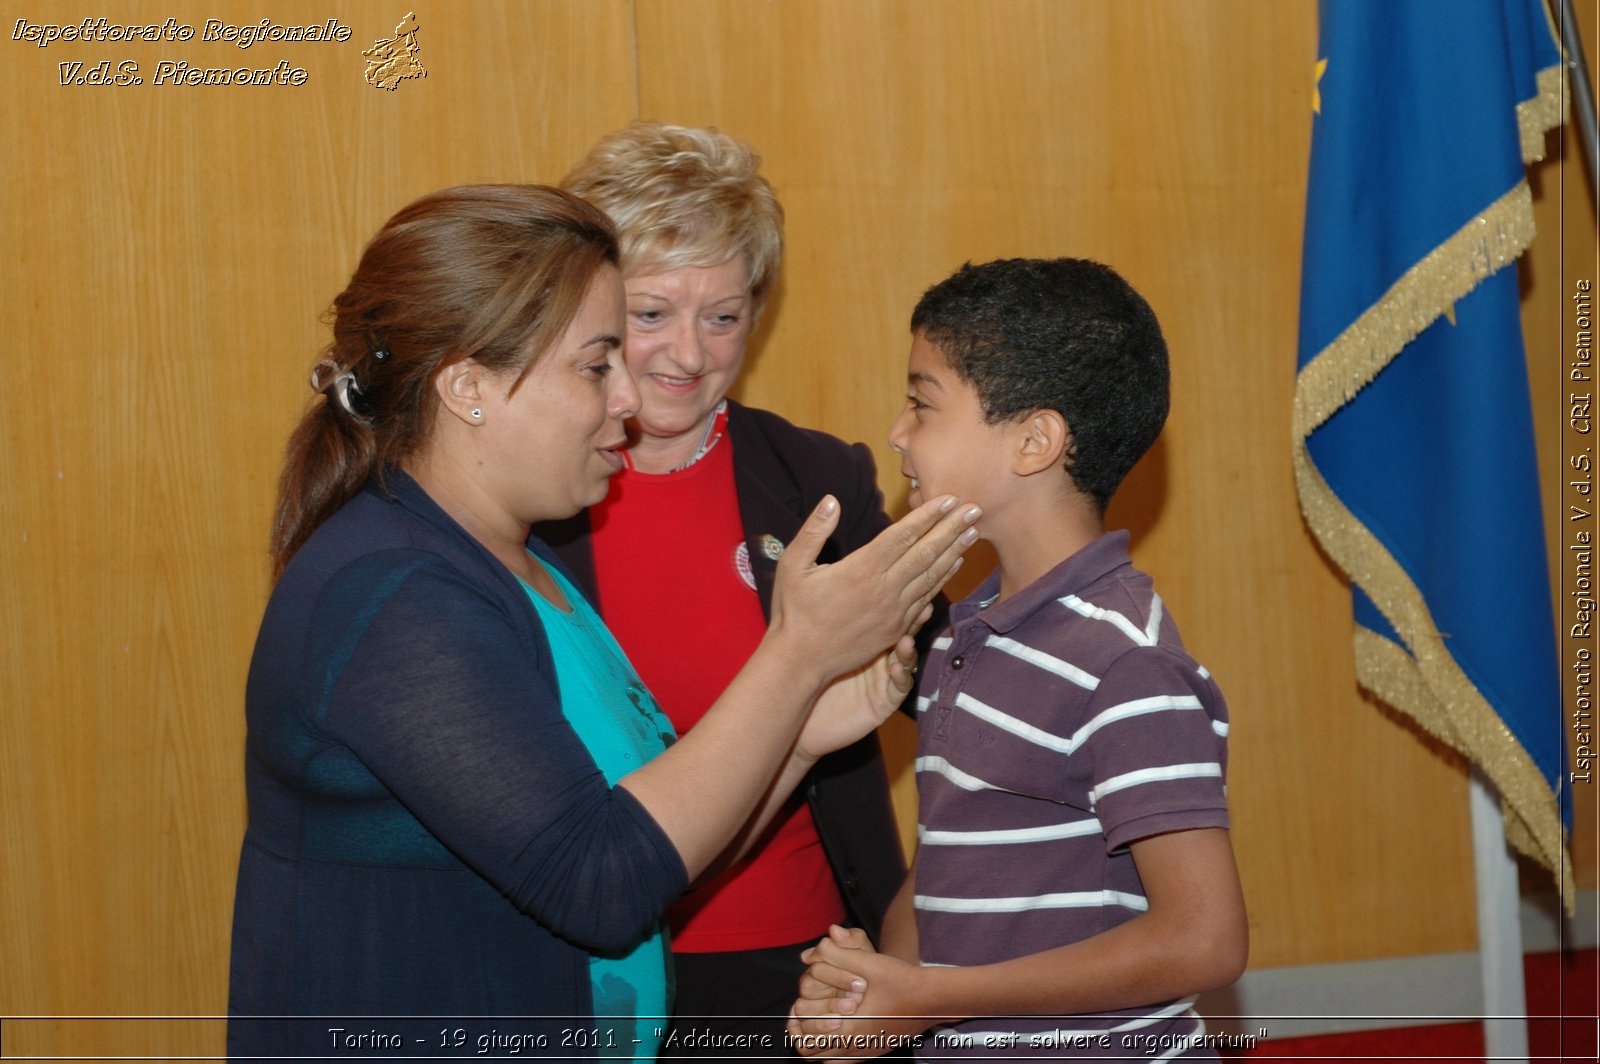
(1054, 729)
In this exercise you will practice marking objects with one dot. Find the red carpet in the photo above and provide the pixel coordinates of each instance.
(1563, 1003)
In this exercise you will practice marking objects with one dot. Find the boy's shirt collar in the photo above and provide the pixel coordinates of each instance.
(1070, 576)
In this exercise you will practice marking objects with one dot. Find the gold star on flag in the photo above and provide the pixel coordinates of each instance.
(1316, 90)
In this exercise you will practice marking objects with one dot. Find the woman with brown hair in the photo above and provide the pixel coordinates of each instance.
(464, 807)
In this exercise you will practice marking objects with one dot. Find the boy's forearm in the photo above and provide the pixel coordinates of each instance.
(1127, 967)
(1194, 937)
(1149, 959)
(899, 936)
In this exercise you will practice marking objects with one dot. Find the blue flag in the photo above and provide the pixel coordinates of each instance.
(1413, 434)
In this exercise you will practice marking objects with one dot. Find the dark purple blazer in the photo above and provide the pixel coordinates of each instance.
(780, 474)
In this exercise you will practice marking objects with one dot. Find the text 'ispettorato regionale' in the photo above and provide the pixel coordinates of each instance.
(169, 71)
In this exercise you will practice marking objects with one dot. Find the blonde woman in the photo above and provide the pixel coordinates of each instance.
(682, 553)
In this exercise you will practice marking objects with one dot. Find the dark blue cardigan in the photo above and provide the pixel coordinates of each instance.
(427, 837)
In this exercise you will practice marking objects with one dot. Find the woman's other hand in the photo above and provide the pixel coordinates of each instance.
(843, 615)
(857, 702)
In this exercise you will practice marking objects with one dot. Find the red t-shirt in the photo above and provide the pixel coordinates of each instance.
(673, 576)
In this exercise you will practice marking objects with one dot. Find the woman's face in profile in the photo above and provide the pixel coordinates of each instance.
(551, 442)
(686, 335)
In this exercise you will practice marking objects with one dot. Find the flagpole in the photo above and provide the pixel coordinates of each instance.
(1582, 95)
(1505, 1002)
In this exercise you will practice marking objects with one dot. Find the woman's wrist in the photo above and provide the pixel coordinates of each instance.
(802, 760)
(785, 656)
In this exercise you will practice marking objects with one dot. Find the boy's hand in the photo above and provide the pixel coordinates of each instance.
(851, 997)
(841, 987)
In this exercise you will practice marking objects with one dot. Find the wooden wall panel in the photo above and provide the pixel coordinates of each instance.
(168, 253)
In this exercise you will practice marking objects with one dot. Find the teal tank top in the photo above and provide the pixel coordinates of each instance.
(618, 720)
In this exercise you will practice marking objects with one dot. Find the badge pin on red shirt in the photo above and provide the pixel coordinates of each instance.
(741, 563)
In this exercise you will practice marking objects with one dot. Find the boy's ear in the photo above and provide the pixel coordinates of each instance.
(1043, 441)
(460, 386)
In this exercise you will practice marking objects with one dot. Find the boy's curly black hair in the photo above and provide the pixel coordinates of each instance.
(1068, 335)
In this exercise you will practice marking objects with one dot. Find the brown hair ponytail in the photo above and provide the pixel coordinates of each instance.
(489, 272)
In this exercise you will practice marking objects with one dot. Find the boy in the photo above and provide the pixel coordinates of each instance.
(1074, 885)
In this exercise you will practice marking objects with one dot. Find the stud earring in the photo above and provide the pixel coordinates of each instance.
(477, 414)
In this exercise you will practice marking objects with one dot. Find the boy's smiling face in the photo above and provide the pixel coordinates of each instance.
(945, 446)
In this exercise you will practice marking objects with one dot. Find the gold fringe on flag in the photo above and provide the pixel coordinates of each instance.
(1421, 679)
(1384, 668)
(1544, 111)
(1444, 276)
(1547, 108)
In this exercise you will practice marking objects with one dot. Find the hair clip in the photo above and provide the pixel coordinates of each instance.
(376, 345)
(352, 396)
(347, 391)
(326, 365)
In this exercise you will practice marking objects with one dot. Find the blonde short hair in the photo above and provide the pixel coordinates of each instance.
(681, 196)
